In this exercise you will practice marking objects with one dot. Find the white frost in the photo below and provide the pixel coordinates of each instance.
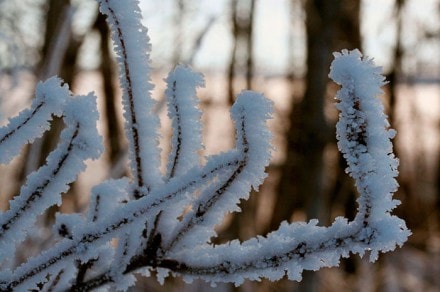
(31, 123)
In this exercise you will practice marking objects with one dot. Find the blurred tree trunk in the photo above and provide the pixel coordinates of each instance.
(57, 60)
(393, 78)
(178, 30)
(301, 179)
(231, 71)
(330, 25)
(242, 18)
(396, 69)
(249, 45)
(58, 57)
(243, 224)
(58, 36)
(410, 175)
(300, 185)
(112, 121)
(183, 15)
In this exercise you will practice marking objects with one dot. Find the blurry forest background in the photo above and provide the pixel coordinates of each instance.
(282, 48)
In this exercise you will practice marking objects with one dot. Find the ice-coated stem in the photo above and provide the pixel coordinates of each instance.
(79, 141)
(31, 123)
(141, 124)
(182, 103)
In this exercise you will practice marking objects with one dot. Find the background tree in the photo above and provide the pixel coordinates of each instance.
(330, 25)
(241, 62)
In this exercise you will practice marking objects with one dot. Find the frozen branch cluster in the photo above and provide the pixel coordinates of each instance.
(165, 222)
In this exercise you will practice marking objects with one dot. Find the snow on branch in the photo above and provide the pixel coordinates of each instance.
(364, 138)
(165, 222)
(250, 112)
(141, 125)
(33, 122)
(79, 141)
(182, 104)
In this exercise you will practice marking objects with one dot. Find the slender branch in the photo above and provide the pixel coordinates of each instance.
(33, 122)
(9, 219)
(95, 282)
(206, 201)
(12, 132)
(202, 207)
(141, 124)
(55, 281)
(294, 253)
(137, 172)
(175, 155)
(83, 268)
(182, 102)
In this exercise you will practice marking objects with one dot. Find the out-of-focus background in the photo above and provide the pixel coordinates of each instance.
(282, 48)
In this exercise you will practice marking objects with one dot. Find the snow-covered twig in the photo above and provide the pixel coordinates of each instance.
(141, 125)
(182, 103)
(33, 122)
(166, 222)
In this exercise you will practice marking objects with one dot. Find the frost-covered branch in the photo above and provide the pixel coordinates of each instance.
(33, 122)
(168, 228)
(182, 103)
(363, 133)
(125, 218)
(79, 141)
(249, 113)
(141, 125)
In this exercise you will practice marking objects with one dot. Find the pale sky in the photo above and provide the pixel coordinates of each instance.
(272, 33)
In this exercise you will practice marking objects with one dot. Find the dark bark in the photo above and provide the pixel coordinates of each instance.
(301, 180)
(330, 26)
(106, 69)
